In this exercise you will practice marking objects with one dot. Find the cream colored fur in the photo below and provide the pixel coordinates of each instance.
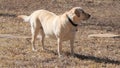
(55, 26)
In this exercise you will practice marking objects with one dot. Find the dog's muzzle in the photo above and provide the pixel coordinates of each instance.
(87, 16)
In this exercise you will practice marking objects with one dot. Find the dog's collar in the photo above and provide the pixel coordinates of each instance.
(71, 21)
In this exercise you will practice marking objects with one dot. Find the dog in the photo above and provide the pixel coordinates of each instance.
(60, 27)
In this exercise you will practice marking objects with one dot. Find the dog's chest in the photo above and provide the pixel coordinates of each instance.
(67, 35)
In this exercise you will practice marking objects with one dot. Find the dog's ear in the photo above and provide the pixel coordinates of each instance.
(77, 12)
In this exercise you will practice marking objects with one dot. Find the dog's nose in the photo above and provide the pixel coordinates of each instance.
(89, 15)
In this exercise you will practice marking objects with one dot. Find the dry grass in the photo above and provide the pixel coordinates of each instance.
(89, 52)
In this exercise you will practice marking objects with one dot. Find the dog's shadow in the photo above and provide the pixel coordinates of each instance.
(97, 59)
(8, 15)
(89, 57)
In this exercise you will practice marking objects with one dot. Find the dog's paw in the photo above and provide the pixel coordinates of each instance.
(72, 54)
(60, 56)
(35, 50)
(43, 48)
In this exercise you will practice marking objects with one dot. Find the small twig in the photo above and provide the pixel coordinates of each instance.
(104, 35)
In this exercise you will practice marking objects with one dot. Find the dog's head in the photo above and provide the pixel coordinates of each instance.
(78, 14)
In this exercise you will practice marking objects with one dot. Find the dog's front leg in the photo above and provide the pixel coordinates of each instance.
(59, 46)
(72, 46)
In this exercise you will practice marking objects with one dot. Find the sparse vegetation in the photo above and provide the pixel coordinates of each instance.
(89, 52)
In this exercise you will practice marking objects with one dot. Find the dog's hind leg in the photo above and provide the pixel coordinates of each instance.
(42, 36)
(35, 29)
(35, 32)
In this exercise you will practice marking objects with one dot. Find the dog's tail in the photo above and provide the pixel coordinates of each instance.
(24, 17)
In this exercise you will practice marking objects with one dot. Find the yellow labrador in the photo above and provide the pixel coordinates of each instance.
(61, 27)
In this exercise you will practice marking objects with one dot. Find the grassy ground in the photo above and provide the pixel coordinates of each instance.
(89, 52)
